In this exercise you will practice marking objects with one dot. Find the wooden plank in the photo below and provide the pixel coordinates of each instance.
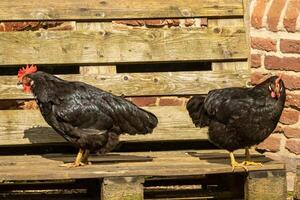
(246, 6)
(92, 70)
(123, 45)
(297, 184)
(174, 124)
(234, 67)
(144, 84)
(164, 164)
(116, 188)
(89, 70)
(266, 185)
(115, 9)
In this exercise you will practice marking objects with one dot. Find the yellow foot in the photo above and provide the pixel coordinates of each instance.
(71, 165)
(249, 163)
(237, 165)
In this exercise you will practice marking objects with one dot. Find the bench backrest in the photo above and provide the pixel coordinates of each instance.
(99, 40)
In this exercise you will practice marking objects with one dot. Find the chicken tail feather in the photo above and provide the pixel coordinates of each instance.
(195, 107)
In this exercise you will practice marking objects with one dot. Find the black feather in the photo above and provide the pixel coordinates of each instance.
(238, 117)
(195, 107)
(86, 116)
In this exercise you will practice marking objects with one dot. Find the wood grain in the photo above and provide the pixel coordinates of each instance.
(115, 9)
(28, 127)
(117, 188)
(123, 45)
(89, 70)
(145, 84)
(171, 163)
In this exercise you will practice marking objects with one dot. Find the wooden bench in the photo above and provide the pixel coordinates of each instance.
(176, 161)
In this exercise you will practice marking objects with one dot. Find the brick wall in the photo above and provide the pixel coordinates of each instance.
(275, 48)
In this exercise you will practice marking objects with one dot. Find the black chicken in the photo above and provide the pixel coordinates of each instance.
(239, 117)
(89, 118)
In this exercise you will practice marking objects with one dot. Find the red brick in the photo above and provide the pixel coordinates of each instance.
(29, 105)
(291, 16)
(285, 63)
(293, 100)
(2, 28)
(255, 60)
(274, 14)
(292, 132)
(258, 12)
(20, 26)
(257, 78)
(155, 22)
(278, 129)
(172, 22)
(291, 82)
(150, 22)
(265, 44)
(32, 26)
(144, 101)
(63, 27)
(272, 143)
(293, 145)
(130, 22)
(189, 22)
(203, 22)
(290, 46)
(171, 101)
(289, 116)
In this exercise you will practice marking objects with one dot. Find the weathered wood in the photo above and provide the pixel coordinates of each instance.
(266, 185)
(246, 7)
(164, 164)
(28, 127)
(115, 9)
(297, 184)
(92, 70)
(127, 188)
(123, 45)
(233, 67)
(144, 84)
(89, 70)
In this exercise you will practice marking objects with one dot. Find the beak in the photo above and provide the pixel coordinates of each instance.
(277, 86)
(277, 91)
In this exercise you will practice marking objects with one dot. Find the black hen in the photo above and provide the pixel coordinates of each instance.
(89, 118)
(239, 117)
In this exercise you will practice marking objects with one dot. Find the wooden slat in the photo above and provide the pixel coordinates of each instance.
(92, 70)
(123, 45)
(163, 164)
(115, 9)
(143, 84)
(85, 70)
(233, 67)
(174, 124)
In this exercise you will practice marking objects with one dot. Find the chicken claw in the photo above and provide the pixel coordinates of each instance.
(235, 164)
(71, 165)
(250, 163)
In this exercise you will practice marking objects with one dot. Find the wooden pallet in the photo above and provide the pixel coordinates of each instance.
(123, 174)
(133, 61)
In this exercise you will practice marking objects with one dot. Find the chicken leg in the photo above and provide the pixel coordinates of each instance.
(235, 164)
(78, 161)
(85, 157)
(247, 162)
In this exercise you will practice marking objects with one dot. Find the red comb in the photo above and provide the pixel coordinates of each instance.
(277, 80)
(26, 70)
